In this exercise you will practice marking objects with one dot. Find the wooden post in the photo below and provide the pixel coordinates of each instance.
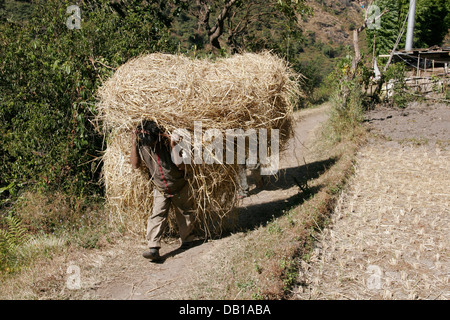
(424, 82)
(418, 66)
(418, 71)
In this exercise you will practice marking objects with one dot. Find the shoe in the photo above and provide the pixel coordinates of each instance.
(152, 254)
(242, 195)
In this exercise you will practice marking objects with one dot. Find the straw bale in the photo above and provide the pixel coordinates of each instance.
(245, 91)
(128, 191)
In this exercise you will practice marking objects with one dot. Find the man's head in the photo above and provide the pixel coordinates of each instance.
(148, 132)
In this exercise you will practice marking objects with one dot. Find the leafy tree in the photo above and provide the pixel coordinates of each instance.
(48, 78)
(235, 19)
(15, 10)
(432, 22)
(390, 25)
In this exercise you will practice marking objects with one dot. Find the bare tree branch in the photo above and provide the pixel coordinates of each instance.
(217, 30)
(356, 32)
(234, 16)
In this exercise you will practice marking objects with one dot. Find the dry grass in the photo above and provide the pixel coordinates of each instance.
(125, 187)
(47, 277)
(389, 238)
(247, 91)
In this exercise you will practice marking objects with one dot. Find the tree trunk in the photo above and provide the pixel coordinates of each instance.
(357, 56)
(356, 32)
(215, 32)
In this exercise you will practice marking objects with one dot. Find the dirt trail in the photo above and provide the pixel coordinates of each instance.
(122, 273)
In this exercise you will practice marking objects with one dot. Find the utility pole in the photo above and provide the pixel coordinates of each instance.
(411, 22)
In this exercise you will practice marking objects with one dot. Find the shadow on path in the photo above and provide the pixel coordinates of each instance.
(178, 251)
(254, 215)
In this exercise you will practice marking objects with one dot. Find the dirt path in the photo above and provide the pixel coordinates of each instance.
(122, 273)
(389, 236)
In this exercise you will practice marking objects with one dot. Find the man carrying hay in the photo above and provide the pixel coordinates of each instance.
(154, 147)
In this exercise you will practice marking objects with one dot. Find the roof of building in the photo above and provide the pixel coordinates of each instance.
(436, 53)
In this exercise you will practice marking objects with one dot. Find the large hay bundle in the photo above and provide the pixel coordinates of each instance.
(246, 91)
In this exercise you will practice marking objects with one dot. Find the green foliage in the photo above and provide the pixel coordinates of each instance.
(431, 24)
(49, 75)
(58, 212)
(265, 25)
(390, 26)
(274, 228)
(12, 236)
(347, 101)
(48, 78)
(395, 78)
(14, 10)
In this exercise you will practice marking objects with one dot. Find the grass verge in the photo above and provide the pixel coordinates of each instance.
(41, 228)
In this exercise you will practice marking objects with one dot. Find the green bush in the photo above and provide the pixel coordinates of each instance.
(49, 150)
(396, 74)
(48, 78)
(347, 101)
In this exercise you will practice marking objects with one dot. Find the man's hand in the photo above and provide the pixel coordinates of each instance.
(174, 139)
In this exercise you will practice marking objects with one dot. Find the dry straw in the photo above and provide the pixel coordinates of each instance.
(245, 91)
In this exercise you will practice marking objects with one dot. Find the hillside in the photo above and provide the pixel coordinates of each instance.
(328, 37)
(333, 21)
(312, 45)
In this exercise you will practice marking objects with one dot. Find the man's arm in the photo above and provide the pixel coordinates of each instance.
(176, 156)
(135, 158)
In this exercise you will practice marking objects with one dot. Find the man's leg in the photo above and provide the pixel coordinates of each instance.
(243, 187)
(255, 174)
(157, 222)
(183, 203)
